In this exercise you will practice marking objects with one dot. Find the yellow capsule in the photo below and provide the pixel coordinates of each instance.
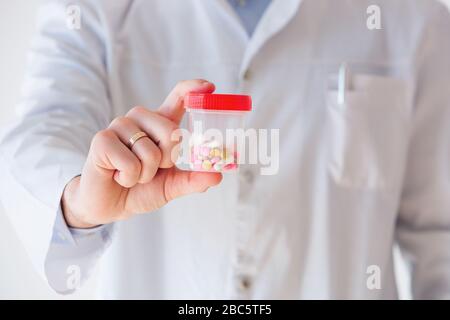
(224, 153)
(206, 165)
(217, 153)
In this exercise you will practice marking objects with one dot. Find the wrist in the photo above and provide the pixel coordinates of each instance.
(68, 206)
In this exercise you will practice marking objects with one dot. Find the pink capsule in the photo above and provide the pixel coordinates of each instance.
(231, 166)
(204, 151)
(216, 159)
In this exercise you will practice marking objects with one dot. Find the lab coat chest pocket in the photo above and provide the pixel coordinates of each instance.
(368, 133)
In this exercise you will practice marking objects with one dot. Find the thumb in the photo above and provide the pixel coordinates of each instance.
(173, 108)
(179, 183)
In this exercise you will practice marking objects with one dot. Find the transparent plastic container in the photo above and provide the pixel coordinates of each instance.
(211, 119)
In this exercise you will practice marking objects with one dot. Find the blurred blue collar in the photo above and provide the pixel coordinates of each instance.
(250, 12)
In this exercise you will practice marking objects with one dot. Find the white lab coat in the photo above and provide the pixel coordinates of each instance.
(353, 179)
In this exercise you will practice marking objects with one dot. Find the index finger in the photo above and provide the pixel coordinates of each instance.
(173, 108)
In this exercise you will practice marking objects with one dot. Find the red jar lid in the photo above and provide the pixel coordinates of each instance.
(225, 102)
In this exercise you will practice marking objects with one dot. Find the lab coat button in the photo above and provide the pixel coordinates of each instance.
(247, 75)
(244, 284)
(242, 3)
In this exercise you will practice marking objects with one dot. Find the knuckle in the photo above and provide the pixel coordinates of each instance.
(169, 134)
(119, 122)
(134, 167)
(171, 128)
(137, 111)
(167, 130)
(153, 156)
(102, 137)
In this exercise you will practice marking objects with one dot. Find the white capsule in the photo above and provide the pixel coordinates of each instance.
(213, 144)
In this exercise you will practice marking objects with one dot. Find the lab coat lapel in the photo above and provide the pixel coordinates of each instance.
(231, 17)
(276, 17)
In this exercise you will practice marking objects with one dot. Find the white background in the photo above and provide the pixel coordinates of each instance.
(18, 280)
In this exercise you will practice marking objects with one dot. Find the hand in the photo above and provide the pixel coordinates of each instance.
(118, 182)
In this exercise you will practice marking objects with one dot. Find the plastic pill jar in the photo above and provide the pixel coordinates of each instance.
(211, 117)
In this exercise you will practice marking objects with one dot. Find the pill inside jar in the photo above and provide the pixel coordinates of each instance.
(212, 118)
